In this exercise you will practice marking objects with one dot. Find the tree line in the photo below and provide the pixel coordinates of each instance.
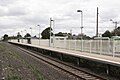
(115, 32)
(46, 34)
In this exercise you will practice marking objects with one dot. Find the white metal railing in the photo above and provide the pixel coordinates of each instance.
(102, 47)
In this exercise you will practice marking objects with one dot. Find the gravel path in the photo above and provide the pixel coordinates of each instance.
(17, 65)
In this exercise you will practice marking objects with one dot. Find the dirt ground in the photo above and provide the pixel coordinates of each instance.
(17, 65)
(13, 67)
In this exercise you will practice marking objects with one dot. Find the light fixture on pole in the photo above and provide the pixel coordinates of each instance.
(39, 33)
(22, 36)
(81, 28)
(53, 33)
(31, 32)
(114, 22)
(81, 21)
(25, 33)
(50, 31)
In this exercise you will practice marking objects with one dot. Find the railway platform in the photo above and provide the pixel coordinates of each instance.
(115, 61)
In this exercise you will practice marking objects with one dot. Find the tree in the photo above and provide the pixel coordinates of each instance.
(5, 37)
(107, 34)
(46, 33)
(12, 37)
(85, 37)
(18, 35)
(27, 35)
(117, 31)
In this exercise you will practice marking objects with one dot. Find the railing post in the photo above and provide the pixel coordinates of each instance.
(90, 45)
(113, 48)
(95, 46)
(101, 47)
(118, 45)
(69, 44)
(54, 42)
(109, 46)
(82, 45)
(75, 44)
(98, 46)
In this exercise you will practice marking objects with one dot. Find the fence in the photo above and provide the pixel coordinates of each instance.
(102, 47)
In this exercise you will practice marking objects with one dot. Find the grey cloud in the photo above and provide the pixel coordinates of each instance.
(20, 14)
(35, 19)
(3, 11)
(13, 8)
(106, 14)
(17, 11)
(13, 11)
(6, 2)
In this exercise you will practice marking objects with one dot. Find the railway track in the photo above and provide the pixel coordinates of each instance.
(68, 69)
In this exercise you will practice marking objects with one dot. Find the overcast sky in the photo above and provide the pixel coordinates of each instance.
(20, 15)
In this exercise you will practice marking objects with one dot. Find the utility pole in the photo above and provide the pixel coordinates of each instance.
(22, 36)
(97, 23)
(115, 24)
(39, 34)
(50, 32)
(31, 32)
(71, 34)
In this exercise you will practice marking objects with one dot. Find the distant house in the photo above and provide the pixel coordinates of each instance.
(116, 37)
(101, 38)
(58, 38)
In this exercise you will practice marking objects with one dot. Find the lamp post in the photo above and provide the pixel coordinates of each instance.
(31, 32)
(18, 35)
(25, 32)
(25, 35)
(81, 21)
(39, 33)
(50, 31)
(80, 11)
(22, 36)
(53, 33)
(114, 22)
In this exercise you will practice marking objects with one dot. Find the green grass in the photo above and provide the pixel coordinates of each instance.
(14, 54)
(30, 66)
(14, 77)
